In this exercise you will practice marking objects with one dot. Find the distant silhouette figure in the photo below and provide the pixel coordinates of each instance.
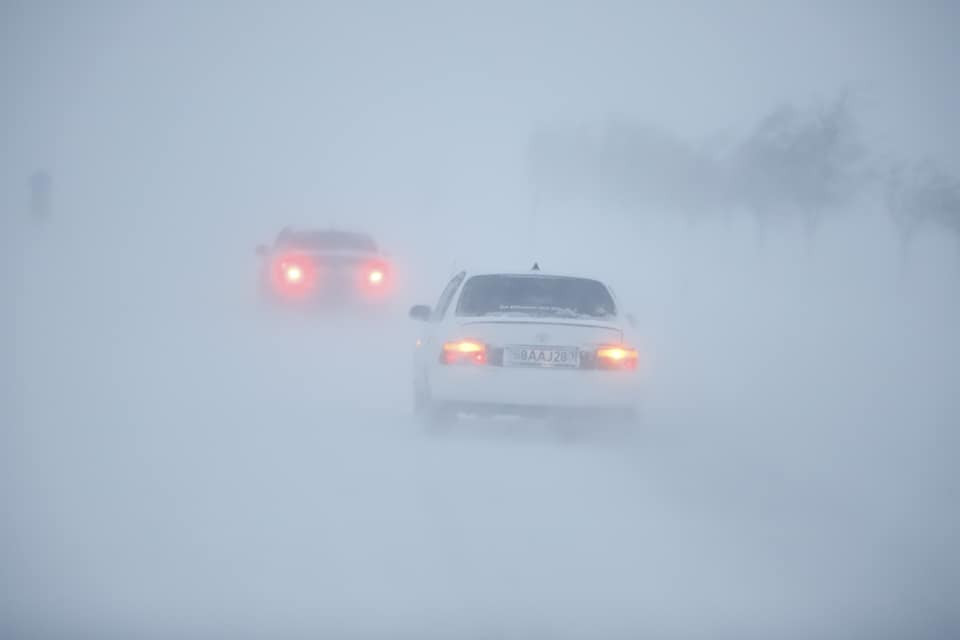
(41, 185)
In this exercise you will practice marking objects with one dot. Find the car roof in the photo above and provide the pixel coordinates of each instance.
(332, 231)
(360, 239)
(531, 272)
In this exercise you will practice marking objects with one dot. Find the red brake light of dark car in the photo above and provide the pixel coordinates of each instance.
(464, 352)
(375, 275)
(293, 274)
(616, 357)
(375, 280)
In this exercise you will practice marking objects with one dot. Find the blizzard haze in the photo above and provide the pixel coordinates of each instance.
(772, 189)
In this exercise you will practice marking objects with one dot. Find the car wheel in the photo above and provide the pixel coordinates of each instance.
(433, 416)
(420, 401)
(439, 418)
(624, 424)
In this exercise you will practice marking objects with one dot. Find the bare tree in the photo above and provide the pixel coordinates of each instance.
(904, 215)
(796, 163)
(802, 163)
(927, 196)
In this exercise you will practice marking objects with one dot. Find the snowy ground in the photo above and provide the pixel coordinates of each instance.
(181, 462)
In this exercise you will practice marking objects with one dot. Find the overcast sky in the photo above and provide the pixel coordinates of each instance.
(406, 93)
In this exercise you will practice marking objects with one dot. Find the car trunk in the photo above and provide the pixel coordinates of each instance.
(341, 274)
(582, 333)
(510, 338)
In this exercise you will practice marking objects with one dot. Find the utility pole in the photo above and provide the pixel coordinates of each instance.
(41, 186)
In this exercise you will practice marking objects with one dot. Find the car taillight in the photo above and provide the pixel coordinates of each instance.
(293, 274)
(293, 271)
(616, 357)
(374, 277)
(464, 352)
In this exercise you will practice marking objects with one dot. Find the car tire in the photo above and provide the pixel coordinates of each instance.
(434, 417)
(624, 424)
(439, 418)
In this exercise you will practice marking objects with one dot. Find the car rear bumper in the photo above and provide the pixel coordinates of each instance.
(534, 389)
(327, 298)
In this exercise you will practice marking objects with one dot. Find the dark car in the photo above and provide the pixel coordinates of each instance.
(324, 266)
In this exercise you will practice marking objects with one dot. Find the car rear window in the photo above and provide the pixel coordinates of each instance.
(530, 295)
(326, 241)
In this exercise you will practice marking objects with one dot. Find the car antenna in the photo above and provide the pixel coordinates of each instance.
(535, 267)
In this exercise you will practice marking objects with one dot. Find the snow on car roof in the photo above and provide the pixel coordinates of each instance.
(529, 272)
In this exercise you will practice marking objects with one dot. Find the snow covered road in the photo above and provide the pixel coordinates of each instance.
(182, 462)
(261, 474)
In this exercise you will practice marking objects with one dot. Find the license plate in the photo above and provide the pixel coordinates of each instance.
(539, 356)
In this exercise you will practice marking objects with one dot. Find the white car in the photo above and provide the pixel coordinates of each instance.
(525, 343)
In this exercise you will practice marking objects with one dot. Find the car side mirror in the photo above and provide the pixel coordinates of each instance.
(420, 312)
(261, 250)
(632, 320)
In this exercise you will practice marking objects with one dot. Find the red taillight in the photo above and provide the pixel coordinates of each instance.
(375, 278)
(293, 274)
(616, 357)
(464, 352)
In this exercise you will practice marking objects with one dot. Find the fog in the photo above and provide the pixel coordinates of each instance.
(772, 189)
